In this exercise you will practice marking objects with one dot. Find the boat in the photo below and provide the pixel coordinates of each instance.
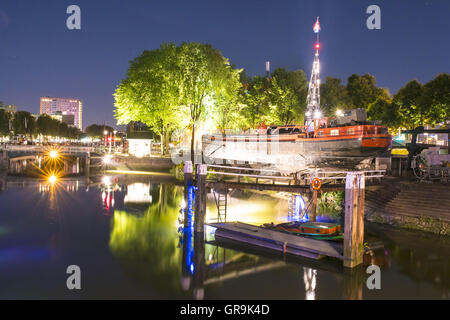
(331, 142)
(315, 230)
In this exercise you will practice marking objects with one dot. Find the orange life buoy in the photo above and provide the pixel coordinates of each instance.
(316, 183)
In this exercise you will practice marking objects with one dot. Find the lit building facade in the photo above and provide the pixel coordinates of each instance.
(64, 106)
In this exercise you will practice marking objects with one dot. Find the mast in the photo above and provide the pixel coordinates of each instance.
(313, 99)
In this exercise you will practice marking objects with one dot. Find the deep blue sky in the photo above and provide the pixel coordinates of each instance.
(39, 56)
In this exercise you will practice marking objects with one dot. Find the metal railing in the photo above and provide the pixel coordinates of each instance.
(306, 175)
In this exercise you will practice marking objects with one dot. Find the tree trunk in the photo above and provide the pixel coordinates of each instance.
(193, 144)
(162, 142)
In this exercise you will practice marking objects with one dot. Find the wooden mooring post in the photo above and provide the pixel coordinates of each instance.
(354, 219)
(200, 198)
(88, 166)
(188, 175)
(313, 211)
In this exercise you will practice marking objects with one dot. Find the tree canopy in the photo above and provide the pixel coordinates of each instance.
(175, 86)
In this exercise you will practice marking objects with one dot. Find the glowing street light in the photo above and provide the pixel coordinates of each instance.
(107, 159)
(339, 113)
(317, 114)
(53, 154)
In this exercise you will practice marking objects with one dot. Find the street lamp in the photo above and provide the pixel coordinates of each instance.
(106, 134)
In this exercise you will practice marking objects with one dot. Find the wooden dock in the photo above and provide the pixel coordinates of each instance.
(278, 241)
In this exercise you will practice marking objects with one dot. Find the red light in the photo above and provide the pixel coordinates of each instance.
(318, 46)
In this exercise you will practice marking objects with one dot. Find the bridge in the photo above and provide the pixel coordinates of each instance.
(74, 150)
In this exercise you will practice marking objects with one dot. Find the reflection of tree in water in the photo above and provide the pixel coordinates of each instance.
(147, 245)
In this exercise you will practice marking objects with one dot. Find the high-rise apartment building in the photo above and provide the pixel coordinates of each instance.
(52, 106)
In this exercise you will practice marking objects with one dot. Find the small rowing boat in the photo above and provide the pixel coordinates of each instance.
(316, 230)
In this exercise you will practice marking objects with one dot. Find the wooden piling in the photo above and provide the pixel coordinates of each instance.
(313, 210)
(199, 266)
(200, 198)
(188, 175)
(354, 219)
(5, 159)
(88, 166)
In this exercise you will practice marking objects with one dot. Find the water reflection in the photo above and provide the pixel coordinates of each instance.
(310, 279)
(147, 245)
(153, 252)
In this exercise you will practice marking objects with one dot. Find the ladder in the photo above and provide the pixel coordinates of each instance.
(220, 197)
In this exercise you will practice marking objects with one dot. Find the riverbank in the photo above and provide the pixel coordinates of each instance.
(408, 204)
(158, 163)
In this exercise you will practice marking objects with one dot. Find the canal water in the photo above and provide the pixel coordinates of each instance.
(125, 233)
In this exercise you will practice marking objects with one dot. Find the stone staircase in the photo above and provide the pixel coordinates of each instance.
(403, 198)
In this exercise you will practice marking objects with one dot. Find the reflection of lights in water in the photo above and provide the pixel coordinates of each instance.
(310, 279)
(108, 200)
(52, 179)
(199, 294)
(107, 159)
(253, 211)
(106, 180)
(138, 193)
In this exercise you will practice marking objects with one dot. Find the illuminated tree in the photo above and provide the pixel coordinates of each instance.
(151, 92)
(332, 96)
(361, 91)
(207, 78)
(436, 99)
(409, 107)
(288, 92)
(256, 100)
(172, 86)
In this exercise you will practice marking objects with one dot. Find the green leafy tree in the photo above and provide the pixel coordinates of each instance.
(4, 122)
(47, 126)
(97, 130)
(151, 92)
(256, 100)
(24, 123)
(384, 110)
(332, 96)
(409, 107)
(436, 99)
(288, 95)
(361, 91)
(207, 77)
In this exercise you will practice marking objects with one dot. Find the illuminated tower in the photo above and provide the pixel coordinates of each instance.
(313, 99)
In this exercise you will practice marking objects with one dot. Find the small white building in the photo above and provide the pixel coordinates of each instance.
(140, 143)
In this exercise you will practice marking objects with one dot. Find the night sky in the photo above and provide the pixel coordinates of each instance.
(39, 56)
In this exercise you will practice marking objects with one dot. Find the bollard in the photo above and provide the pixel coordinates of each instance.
(354, 219)
(188, 170)
(200, 198)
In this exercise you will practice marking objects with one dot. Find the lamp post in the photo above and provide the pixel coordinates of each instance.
(114, 138)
